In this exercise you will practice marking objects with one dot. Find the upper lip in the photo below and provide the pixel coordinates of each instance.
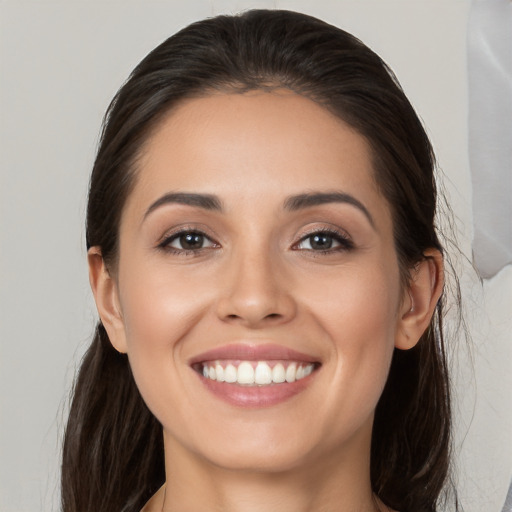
(253, 352)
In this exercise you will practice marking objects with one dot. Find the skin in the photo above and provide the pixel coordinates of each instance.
(258, 280)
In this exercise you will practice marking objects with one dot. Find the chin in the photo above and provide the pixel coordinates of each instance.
(259, 461)
(256, 448)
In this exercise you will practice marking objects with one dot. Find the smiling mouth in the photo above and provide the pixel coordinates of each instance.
(250, 375)
(255, 373)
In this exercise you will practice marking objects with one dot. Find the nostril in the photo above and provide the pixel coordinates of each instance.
(252, 310)
(269, 317)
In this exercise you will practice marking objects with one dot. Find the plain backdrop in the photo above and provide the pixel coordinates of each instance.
(61, 62)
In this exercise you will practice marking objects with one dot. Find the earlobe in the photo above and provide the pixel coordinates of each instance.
(105, 293)
(423, 293)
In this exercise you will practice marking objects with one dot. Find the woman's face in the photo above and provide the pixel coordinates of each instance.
(256, 246)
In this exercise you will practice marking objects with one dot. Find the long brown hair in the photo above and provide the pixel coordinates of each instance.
(113, 449)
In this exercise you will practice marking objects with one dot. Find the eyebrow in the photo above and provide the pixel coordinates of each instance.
(308, 200)
(292, 203)
(205, 201)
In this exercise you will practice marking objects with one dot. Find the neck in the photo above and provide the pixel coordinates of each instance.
(324, 485)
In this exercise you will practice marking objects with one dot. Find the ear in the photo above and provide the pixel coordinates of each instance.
(421, 297)
(104, 289)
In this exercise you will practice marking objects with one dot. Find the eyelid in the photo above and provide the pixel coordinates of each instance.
(340, 235)
(174, 233)
(177, 236)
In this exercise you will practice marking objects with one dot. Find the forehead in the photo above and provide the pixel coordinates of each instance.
(254, 145)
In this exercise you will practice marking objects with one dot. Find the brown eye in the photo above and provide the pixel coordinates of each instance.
(321, 241)
(191, 241)
(324, 241)
(188, 241)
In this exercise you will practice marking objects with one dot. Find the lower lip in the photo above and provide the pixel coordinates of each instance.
(256, 396)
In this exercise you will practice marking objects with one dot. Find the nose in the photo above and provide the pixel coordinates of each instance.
(255, 292)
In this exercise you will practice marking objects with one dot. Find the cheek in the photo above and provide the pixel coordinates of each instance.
(357, 305)
(358, 312)
(159, 312)
(363, 325)
(159, 307)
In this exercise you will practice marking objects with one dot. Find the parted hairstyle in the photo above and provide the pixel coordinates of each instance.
(113, 456)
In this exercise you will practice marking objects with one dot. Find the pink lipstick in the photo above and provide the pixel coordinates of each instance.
(249, 375)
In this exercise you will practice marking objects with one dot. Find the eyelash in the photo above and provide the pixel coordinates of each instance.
(345, 243)
(165, 244)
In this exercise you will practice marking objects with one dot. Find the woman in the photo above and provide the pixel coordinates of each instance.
(268, 276)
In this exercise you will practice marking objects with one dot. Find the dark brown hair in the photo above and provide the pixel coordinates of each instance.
(113, 449)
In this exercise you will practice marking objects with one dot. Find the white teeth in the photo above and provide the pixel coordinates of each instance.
(291, 372)
(245, 373)
(278, 373)
(261, 375)
(219, 371)
(230, 374)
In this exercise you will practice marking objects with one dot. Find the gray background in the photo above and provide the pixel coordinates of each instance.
(61, 62)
